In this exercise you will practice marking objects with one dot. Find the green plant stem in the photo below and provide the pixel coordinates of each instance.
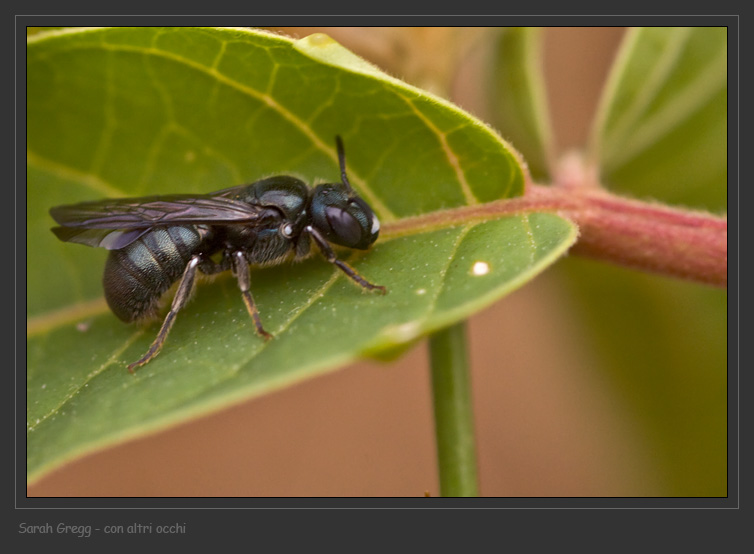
(454, 425)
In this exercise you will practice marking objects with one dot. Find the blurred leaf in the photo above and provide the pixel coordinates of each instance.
(664, 342)
(662, 133)
(519, 98)
(128, 112)
(662, 126)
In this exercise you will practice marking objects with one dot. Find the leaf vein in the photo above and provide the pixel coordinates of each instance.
(443, 274)
(292, 316)
(107, 363)
(86, 178)
(449, 153)
(273, 104)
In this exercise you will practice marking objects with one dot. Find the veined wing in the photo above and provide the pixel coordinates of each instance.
(153, 211)
(113, 224)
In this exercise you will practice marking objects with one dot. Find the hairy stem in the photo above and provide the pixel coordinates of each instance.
(680, 243)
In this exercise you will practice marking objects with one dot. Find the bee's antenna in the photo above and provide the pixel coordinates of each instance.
(342, 161)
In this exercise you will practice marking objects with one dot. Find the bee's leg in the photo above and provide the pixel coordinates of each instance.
(241, 269)
(324, 246)
(179, 300)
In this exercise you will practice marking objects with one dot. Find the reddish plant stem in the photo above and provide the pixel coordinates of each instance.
(679, 243)
(645, 236)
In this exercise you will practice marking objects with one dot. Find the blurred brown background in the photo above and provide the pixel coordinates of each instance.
(546, 420)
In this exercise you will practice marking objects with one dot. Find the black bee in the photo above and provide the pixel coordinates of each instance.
(156, 240)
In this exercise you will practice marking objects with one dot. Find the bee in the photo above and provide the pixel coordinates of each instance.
(155, 241)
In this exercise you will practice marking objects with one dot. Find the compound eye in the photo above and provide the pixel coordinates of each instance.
(346, 228)
(286, 230)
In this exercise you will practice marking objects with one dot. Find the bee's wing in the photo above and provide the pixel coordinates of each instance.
(153, 211)
(113, 224)
(112, 239)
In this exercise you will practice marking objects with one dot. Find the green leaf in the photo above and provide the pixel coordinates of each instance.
(128, 112)
(661, 130)
(519, 98)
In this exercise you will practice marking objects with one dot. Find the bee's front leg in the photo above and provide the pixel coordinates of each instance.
(324, 247)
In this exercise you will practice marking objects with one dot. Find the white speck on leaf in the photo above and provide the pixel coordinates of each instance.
(480, 268)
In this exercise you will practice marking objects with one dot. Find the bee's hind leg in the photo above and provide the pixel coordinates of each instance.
(179, 301)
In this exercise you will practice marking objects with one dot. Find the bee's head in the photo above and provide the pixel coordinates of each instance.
(340, 215)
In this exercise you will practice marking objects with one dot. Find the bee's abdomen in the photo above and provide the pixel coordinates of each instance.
(136, 276)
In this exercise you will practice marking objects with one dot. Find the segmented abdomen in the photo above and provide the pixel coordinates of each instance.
(137, 275)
